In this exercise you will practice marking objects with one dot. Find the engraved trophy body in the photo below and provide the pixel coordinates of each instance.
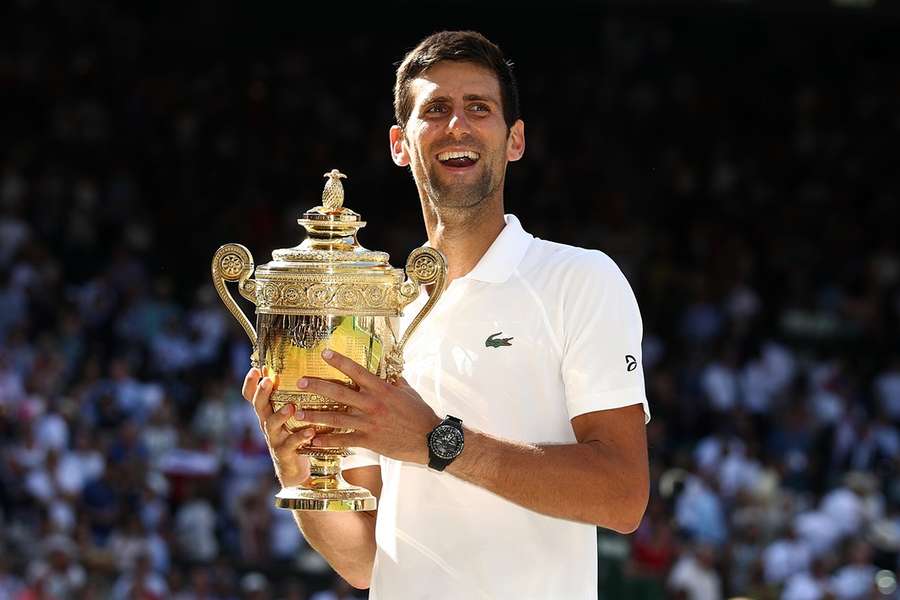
(328, 292)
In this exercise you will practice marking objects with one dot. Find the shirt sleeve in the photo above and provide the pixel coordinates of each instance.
(361, 457)
(601, 363)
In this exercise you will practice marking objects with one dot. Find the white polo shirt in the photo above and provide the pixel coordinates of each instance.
(535, 335)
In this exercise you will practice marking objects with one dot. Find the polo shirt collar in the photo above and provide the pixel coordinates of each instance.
(504, 255)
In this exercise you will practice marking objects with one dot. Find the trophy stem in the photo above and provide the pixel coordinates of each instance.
(325, 490)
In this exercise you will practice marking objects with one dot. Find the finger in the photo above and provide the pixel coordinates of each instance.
(295, 441)
(274, 425)
(341, 420)
(359, 374)
(335, 391)
(261, 399)
(274, 376)
(338, 440)
(250, 383)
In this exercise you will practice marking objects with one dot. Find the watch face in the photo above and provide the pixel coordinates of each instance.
(446, 441)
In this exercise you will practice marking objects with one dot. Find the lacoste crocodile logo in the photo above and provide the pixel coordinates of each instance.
(494, 342)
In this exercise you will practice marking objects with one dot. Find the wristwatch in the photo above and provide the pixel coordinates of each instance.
(445, 443)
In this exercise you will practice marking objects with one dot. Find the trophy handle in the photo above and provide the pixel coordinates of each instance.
(233, 262)
(423, 267)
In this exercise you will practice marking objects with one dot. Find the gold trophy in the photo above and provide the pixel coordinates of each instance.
(328, 292)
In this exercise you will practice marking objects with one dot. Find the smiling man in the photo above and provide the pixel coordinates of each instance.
(520, 424)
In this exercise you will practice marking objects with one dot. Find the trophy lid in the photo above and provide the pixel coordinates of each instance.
(330, 238)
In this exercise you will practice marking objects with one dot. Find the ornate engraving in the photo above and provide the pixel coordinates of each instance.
(347, 296)
(319, 294)
(374, 296)
(351, 295)
(271, 293)
(231, 265)
(425, 267)
(233, 262)
(342, 494)
(330, 256)
(247, 288)
(307, 402)
(324, 451)
(409, 291)
(291, 295)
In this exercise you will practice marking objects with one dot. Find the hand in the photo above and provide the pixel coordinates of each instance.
(290, 467)
(388, 418)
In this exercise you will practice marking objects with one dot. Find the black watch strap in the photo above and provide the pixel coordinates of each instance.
(436, 462)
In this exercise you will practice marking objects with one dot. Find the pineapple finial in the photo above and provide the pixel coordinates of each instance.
(333, 194)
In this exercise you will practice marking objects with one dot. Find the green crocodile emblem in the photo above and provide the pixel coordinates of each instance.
(494, 342)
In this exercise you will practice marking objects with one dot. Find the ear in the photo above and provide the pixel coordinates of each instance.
(398, 147)
(515, 142)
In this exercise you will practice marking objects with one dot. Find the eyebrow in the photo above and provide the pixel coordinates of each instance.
(466, 98)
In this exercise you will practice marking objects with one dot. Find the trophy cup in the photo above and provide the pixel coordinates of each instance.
(328, 292)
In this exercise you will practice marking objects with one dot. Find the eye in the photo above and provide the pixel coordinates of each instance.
(479, 107)
(437, 108)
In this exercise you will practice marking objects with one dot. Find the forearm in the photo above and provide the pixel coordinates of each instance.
(587, 482)
(603, 479)
(345, 539)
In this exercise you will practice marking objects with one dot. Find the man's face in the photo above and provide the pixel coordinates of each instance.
(456, 140)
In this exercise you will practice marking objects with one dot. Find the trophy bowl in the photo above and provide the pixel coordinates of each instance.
(326, 293)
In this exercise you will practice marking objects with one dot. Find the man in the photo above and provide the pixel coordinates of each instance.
(534, 346)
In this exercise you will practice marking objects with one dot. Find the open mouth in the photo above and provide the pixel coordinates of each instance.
(458, 159)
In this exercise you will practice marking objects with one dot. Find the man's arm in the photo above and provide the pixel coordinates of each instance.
(345, 539)
(603, 479)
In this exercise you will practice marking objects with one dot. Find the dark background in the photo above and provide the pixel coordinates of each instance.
(736, 159)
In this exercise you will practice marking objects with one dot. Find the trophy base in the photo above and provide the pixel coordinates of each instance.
(325, 490)
(347, 498)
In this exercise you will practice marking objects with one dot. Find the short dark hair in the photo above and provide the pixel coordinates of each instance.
(462, 46)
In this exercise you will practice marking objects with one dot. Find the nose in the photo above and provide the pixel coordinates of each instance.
(458, 123)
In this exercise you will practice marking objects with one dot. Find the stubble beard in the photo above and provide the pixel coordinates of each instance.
(462, 199)
(459, 195)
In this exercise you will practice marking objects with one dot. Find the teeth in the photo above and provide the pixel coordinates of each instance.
(463, 154)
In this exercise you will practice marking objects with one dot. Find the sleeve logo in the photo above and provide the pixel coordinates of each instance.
(630, 362)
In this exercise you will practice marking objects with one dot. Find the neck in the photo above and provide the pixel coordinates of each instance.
(463, 236)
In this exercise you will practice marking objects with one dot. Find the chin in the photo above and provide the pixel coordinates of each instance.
(457, 205)
(461, 195)
(447, 197)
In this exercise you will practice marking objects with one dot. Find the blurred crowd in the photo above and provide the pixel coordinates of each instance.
(740, 170)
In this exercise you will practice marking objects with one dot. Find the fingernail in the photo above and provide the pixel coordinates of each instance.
(303, 383)
(298, 414)
(286, 409)
(266, 383)
(326, 354)
(308, 433)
